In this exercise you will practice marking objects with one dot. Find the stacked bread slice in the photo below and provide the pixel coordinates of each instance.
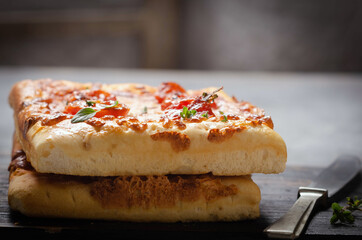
(146, 164)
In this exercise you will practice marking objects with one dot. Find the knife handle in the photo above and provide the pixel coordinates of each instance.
(291, 225)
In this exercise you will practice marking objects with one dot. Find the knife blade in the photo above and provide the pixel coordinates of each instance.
(319, 193)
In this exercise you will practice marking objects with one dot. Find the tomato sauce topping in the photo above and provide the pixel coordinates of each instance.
(171, 101)
(98, 100)
(91, 95)
(169, 90)
(197, 108)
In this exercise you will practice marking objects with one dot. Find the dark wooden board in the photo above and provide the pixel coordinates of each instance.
(279, 192)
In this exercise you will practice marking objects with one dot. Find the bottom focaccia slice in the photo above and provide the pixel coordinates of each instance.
(162, 198)
(169, 198)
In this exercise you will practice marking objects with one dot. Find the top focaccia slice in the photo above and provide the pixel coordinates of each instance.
(133, 129)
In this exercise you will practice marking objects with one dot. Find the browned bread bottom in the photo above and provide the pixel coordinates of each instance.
(141, 199)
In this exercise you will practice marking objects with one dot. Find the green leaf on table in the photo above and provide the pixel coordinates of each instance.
(344, 214)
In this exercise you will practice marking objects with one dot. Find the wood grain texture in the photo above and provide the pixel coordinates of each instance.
(278, 194)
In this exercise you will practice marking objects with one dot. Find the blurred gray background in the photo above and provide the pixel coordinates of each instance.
(252, 35)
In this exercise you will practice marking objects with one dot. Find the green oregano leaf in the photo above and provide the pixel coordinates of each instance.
(344, 214)
(90, 103)
(212, 96)
(186, 113)
(225, 117)
(83, 115)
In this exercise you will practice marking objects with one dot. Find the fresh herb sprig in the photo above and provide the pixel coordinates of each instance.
(205, 115)
(225, 117)
(86, 113)
(186, 113)
(207, 97)
(83, 115)
(344, 214)
(210, 97)
(90, 103)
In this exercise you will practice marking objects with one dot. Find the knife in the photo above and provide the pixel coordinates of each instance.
(320, 193)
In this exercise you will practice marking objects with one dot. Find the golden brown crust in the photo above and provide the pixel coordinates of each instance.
(179, 142)
(132, 123)
(16, 101)
(96, 122)
(158, 191)
(220, 135)
(50, 121)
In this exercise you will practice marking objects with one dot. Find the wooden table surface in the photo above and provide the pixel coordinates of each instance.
(318, 114)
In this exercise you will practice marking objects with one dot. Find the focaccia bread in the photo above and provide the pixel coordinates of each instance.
(169, 198)
(133, 129)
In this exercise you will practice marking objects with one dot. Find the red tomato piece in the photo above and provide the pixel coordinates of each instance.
(197, 104)
(169, 90)
(122, 111)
